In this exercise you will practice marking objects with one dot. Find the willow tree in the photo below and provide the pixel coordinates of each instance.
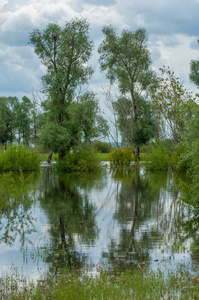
(65, 53)
(127, 61)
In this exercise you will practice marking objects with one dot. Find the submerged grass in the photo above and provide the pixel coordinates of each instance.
(135, 284)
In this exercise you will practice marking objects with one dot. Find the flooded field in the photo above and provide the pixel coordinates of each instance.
(121, 217)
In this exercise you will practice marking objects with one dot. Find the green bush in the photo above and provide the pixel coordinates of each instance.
(158, 158)
(102, 147)
(84, 160)
(15, 158)
(121, 156)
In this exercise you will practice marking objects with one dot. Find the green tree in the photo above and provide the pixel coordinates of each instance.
(65, 53)
(135, 131)
(8, 113)
(127, 61)
(5, 121)
(172, 103)
(194, 71)
(23, 120)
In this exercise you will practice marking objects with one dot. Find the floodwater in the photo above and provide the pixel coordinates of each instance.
(120, 217)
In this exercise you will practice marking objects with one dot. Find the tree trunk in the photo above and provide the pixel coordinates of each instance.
(137, 156)
(50, 158)
(61, 155)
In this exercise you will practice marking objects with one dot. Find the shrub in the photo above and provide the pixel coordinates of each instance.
(16, 158)
(84, 160)
(158, 158)
(121, 156)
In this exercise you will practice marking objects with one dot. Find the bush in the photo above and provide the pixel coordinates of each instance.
(102, 147)
(16, 158)
(158, 158)
(84, 160)
(121, 156)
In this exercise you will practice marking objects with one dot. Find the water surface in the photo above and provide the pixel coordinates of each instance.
(120, 217)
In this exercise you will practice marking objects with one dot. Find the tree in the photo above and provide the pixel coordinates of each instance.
(172, 103)
(135, 131)
(127, 62)
(23, 120)
(194, 71)
(65, 53)
(111, 117)
(5, 121)
(8, 114)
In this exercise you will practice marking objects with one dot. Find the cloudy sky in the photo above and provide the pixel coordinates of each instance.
(172, 25)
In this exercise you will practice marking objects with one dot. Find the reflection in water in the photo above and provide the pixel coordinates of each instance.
(122, 216)
(16, 220)
(71, 219)
(146, 212)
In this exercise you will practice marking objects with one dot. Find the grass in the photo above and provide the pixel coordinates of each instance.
(18, 157)
(100, 156)
(44, 157)
(131, 284)
(103, 156)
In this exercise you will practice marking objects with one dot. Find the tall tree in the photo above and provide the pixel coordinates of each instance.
(5, 121)
(23, 120)
(126, 59)
(65, 53)
(172, 103)
(135, 131)
(8, 114)
(194, 71)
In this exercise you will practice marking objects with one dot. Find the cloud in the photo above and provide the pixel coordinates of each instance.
(162, 17)
(194, 45)
(20, 70)
(172, 27)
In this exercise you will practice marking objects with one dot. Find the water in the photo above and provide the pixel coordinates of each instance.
(119, 217)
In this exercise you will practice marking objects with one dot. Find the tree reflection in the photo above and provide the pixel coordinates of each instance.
(71, 221)
(190, 220)
(16, 221)
(145, 213)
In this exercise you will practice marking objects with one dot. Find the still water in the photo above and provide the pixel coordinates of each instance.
(119, 217)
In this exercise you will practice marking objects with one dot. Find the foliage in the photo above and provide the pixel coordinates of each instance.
(194, 71)
(121, 157)
(172, 103)
(127, 62)
(16, 158)
(135, 131)
(189, 157)
(80, 161)
(19, 120)
(71, 117)
(158, 158)
(102, 147)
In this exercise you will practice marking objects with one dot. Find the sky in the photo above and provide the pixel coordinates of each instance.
(172, 25)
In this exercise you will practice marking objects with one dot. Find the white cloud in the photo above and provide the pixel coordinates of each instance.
(172, 27)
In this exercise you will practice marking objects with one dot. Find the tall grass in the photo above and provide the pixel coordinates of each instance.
(127, 285)
(158, 158)
(121, 157)
(15, 158)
